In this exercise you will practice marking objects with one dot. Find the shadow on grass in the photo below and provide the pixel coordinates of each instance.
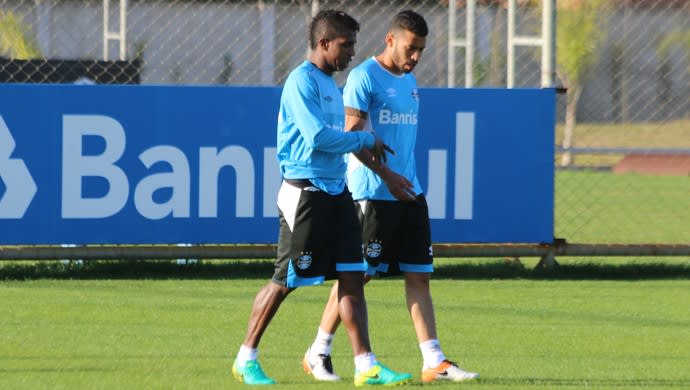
(579, 271)
(263, 269)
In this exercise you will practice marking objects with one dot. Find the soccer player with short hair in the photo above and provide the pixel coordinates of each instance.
(381, 96)
(320, 236)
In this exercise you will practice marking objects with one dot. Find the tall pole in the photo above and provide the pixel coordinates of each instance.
(451, 43)
(548, 53)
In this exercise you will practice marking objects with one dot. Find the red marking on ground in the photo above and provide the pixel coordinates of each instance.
(654, 164)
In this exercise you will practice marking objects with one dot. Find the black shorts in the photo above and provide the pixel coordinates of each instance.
(319, 236)
(396, 235)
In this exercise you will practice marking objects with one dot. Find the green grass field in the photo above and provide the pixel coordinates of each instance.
(604, 323)
(582, 326)
(600, 207)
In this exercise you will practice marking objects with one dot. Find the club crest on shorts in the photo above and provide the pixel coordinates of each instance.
(374, 249)
(304, 260)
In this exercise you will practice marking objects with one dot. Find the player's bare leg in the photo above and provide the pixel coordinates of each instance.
(266, 304)
(246, 367)
(421, 308)
(420, 305)
(352, 308)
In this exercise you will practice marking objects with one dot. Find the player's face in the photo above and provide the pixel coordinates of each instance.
(340, 51)
(406, 50)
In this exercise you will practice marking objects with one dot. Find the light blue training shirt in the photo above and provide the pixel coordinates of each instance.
(311, 143)
(392, 104)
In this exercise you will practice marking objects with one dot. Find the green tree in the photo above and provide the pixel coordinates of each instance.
(578, 34)
(675, 39)
(16, 41)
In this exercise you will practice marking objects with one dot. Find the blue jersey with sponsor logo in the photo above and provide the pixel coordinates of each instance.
(311, 143)
(392, 104)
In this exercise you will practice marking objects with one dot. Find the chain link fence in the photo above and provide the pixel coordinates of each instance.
(624, 129)
(625, 63)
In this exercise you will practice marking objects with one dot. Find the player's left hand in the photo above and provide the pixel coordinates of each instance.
(401, 188)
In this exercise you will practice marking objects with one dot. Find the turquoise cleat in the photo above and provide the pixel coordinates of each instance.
(251, 374)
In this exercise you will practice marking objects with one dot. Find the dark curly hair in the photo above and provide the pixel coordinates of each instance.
(330, 24)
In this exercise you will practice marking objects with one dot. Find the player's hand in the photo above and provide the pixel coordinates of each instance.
(378, 152)
(398, 185)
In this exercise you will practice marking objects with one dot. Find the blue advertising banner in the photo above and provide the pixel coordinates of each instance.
(164, 164)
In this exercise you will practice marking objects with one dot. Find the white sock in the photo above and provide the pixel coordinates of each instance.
(245, 354)
(323, 344)
(365, 362)
(432, 353)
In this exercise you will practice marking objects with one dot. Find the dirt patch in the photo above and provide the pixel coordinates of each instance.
(654, 164)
